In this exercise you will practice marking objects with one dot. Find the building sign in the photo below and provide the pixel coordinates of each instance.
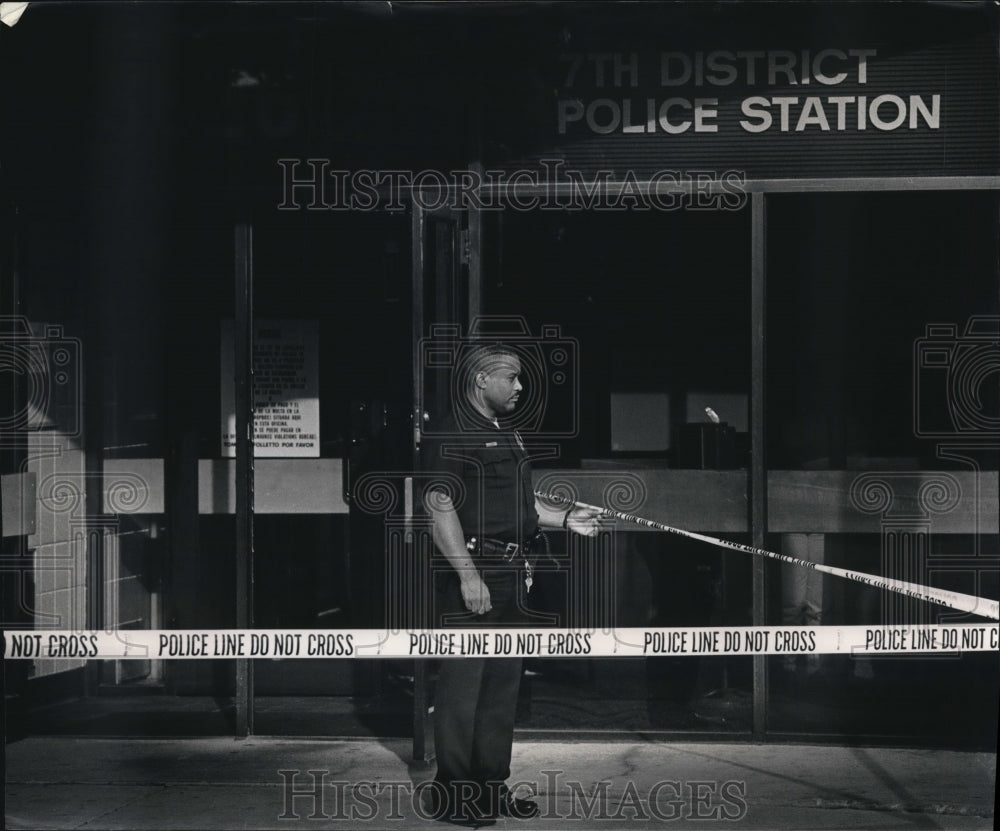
(817, 80)
(285, 389)
(773, 97)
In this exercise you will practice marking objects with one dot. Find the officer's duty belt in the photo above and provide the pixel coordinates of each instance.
(487, 547)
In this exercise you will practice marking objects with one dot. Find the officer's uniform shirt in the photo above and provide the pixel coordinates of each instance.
(493, 467)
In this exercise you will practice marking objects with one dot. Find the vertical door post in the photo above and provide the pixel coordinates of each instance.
(243, 341)
(758, 446)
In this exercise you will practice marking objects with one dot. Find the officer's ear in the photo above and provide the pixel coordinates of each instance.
(481, 380)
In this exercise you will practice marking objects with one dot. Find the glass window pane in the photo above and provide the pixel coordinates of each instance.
(881, 389)
(657, 313)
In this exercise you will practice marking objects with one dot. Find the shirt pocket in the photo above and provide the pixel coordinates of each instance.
(498, 468)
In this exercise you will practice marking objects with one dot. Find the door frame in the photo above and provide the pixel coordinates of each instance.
(465, 262)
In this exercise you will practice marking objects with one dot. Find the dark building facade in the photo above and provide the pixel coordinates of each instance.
(786, 213)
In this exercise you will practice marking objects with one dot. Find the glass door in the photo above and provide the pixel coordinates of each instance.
(332, 318)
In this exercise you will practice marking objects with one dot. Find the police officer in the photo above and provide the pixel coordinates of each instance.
(488, 530)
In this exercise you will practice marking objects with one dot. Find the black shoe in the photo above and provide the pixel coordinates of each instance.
(468, 814)
(509, 805)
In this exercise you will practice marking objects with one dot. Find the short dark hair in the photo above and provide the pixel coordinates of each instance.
(481, 357)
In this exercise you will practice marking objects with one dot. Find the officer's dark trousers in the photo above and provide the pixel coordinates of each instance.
(476, 698)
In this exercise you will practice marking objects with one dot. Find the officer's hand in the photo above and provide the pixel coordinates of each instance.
(584, 521)
(475, 594)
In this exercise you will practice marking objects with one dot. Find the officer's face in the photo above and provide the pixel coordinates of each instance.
(501, 385)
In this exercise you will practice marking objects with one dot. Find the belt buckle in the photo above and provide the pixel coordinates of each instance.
(510, 551)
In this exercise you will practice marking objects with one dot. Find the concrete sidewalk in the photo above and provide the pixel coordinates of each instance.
(220, 783)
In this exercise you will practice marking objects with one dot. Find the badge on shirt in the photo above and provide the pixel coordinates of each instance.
(491, 444)
(517, 438)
